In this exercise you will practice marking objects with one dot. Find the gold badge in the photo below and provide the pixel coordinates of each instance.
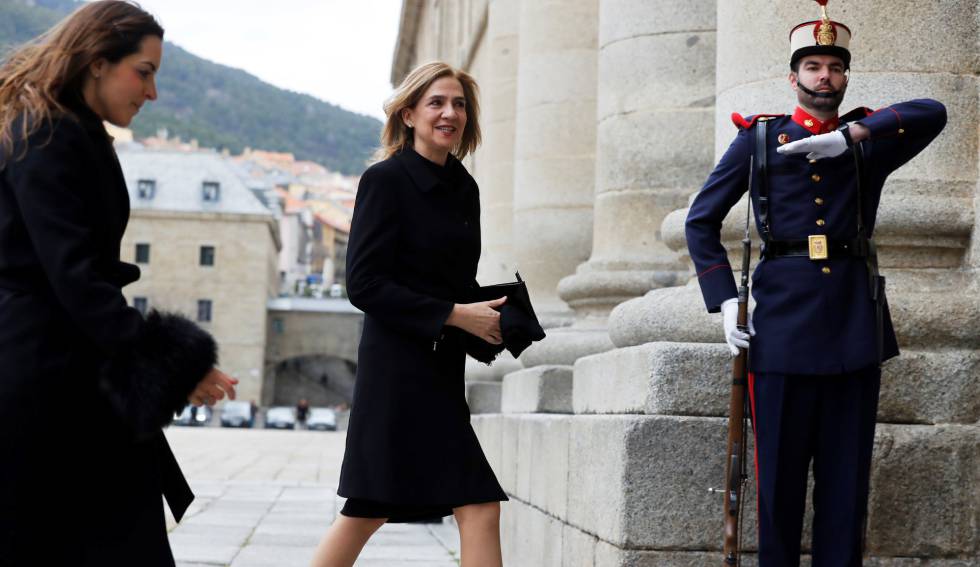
(818, 247)
(808, 123)
(783, 138)
(826, 33)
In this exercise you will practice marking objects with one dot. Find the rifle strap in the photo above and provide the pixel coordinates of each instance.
(876, 284)
(761, 176)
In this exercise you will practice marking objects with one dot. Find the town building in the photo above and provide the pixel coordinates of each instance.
(314, 207)
(207, 247)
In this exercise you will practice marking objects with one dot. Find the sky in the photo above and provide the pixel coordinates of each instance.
(336, 50)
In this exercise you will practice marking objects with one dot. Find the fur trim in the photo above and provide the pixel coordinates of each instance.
(149, 380)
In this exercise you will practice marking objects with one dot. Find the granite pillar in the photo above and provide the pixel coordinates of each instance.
(655, 118)
(554, 147)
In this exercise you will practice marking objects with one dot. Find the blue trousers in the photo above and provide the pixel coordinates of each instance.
(829, 420)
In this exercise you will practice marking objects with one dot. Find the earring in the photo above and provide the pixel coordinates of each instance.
(411, 125)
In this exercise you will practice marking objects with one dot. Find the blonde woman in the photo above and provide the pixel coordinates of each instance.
(411, 263)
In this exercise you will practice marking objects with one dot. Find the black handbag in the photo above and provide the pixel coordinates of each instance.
(518, 323)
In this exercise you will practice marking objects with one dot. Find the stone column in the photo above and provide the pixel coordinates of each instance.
(930, 398)
(554, 147)
(499, 92)
(655, 117)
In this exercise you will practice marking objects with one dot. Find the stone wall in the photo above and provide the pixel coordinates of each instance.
(608, 438)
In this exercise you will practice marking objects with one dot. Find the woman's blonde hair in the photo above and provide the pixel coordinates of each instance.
(396, 136)
(44, 78)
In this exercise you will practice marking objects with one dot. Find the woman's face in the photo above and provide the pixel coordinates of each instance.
(438, 119)
(116, 91)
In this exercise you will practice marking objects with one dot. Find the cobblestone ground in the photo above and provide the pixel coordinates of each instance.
(264, 499)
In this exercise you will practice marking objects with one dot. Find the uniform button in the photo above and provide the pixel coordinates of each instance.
(818, 201)
(813, 161)
(901, 130)
(815, 177)
(821, 222)
(825, 269)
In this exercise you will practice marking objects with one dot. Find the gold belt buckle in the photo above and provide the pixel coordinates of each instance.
(818, 247)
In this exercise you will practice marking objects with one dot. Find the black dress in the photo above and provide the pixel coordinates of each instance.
(413, 252)
(85, 381)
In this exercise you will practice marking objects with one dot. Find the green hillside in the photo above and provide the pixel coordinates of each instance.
(223, 107)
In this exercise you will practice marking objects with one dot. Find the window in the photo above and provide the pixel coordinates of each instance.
(142, 253)
(211, 191)
(146, 188)
(141, 304)
(207, 255)
(204, 310)
(277, 325)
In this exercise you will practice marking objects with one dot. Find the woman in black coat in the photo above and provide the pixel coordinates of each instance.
(411, 265)
(85, 381)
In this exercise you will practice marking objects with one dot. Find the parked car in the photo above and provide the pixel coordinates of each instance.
(194, 416)
(322, 419)
(237, 414)
(280, 417)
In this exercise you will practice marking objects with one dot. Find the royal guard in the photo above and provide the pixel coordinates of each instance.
(821, 326)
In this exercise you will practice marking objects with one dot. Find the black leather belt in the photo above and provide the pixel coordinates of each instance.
(854, 248)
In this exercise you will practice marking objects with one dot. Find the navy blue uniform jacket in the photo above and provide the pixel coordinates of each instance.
(808, 320)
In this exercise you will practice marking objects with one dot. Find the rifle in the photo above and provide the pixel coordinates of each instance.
(735, 471)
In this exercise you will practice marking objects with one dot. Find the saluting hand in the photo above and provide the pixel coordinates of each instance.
(480, 319)
(213, 387)
(819, 146)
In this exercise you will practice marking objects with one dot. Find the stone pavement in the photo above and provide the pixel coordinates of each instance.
(265, 498)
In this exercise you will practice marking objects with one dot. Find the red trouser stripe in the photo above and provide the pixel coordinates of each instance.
(755, 446)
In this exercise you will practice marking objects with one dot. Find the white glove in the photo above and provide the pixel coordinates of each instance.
(736, 339)
(820, 146)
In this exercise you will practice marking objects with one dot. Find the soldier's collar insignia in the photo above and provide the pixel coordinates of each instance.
(813, 124)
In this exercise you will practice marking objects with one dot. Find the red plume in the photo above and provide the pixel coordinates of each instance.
(821, 2)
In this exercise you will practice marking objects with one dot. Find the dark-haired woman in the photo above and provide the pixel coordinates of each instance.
(86, 383)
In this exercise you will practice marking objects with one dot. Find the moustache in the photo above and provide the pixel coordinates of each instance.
(831, 94)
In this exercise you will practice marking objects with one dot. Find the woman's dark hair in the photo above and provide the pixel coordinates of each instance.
(41, 79)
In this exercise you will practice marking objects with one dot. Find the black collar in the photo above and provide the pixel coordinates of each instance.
(86, 116)
(420, 169)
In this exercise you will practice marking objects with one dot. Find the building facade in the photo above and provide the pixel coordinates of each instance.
(207, 248)
(602, 118)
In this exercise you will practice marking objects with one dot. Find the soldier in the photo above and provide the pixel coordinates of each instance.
(821, 323)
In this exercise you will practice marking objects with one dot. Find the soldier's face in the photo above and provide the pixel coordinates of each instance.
(823, 74)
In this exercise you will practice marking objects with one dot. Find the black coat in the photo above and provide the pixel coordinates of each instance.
(85, 381)
(413, 252)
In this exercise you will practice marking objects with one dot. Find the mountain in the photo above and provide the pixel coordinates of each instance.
(220, 106)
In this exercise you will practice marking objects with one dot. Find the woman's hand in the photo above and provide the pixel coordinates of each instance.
(212, 388)
(480, 319)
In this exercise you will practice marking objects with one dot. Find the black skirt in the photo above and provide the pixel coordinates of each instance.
(411, 450)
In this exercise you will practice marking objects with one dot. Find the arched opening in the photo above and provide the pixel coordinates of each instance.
(320, 379)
